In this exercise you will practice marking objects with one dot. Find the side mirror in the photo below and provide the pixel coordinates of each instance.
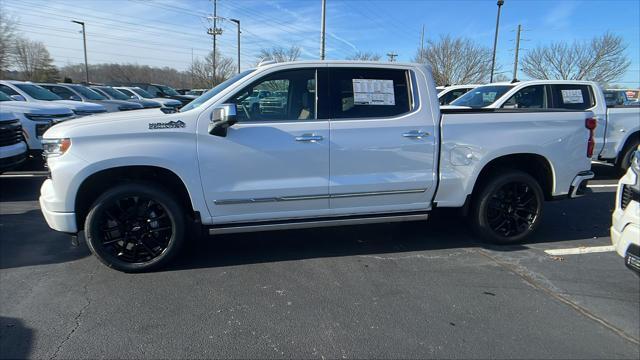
(75, 98)
(132, 97)
(512, 106)
(18, 98)
(222, 118)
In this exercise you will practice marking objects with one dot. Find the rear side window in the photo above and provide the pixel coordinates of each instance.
(368, 93)
(572, 97)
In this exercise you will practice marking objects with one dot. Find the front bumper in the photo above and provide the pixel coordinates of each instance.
(625, 229)
(59, 221)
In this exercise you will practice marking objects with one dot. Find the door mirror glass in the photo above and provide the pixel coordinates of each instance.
(18, 98)
(222, 118)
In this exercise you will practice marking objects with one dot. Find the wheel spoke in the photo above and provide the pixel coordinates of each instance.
(512, 209)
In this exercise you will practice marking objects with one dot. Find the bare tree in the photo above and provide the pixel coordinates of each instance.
(364, 56)
(602, 59)
(127, 73)
(456, 60)
(7, 37)
(33, 61)
(201, 70)
(280, 54)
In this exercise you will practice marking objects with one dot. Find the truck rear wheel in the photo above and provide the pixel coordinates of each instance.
(625, 157)
(507, 208)
(135, 227)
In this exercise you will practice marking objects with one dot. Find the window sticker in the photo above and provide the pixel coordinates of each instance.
(572, 96)
(373, 92)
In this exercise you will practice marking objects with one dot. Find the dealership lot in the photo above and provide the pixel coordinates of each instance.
(389, 290)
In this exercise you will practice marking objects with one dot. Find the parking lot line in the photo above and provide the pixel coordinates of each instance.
(581, 250)
(602, 185)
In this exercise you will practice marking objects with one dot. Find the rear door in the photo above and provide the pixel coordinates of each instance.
(382, 144)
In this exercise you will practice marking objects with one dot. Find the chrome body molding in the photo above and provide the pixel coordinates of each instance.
(317, 222)
(315, 197)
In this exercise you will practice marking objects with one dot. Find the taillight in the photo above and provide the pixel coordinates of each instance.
(591, 124)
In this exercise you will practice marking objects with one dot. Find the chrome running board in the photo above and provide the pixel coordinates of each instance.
(316, 223)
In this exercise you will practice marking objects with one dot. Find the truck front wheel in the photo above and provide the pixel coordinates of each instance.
(135, 227)
(507, 207)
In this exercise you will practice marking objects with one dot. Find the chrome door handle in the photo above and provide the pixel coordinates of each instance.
(415, 134)
(309, 138)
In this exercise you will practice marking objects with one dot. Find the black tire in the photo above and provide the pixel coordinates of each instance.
(507, 208)
(135, 227)
(625, 160)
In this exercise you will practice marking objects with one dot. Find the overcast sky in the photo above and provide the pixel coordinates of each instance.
(167, 32)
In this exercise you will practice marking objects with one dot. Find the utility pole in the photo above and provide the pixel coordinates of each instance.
(214, 32)
(515, 63)
(84, 41)
(392, 56)
(237, 23)
(421, 44)
(322, 30)
(495, 41)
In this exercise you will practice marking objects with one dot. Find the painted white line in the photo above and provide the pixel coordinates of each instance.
(602, 185)
(22, 175)
(581, 250)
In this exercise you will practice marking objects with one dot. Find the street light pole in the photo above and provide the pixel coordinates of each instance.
(495, 40)
(84, 41)
(237, 23)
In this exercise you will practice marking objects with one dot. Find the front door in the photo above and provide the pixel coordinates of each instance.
(383, 149)
(274, 163)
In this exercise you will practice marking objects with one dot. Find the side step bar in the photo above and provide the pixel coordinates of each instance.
(316, 223)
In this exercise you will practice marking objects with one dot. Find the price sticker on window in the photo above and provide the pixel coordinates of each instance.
(373, 92)
(572, 97)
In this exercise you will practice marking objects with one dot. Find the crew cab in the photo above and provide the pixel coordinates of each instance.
(35, 119)
(32, 93)
(359, 143)
(618, 130)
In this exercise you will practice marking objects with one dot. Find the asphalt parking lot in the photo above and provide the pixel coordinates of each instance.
(411, 290)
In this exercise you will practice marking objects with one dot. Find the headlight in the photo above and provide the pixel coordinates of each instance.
(635, 161)
(55, 147)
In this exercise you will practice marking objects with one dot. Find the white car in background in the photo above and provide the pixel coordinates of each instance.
(30, 92)
(450, 93)
(13, 150)
(138, 93)
(625, 228)
(35, 118)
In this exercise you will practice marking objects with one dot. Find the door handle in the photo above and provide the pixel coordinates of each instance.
(415, 134)
(309, 138)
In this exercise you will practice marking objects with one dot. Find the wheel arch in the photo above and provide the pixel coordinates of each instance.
(97, 183)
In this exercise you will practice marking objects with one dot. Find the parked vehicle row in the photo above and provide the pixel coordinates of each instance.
(618, 130)
(138, 183)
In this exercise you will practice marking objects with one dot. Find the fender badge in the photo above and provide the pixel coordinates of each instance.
(167, 125)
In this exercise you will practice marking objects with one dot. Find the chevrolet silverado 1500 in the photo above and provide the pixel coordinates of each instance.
(357, 143)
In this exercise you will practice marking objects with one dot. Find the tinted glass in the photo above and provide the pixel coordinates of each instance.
(573, 97)
(530, 97)
(168, 90)
(7, 90)
(113, 93)
(62, 92)
(88, 93)
(142, 93)
(4, 97)
(482, 96)
(126, 92)
(288, 95)
(38, 92)
(368, 93)
(447, 98)
(215, 91)
(154, 91)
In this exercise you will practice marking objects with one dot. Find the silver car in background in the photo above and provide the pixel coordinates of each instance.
(138, 93)
(82, 93)
(115, 94)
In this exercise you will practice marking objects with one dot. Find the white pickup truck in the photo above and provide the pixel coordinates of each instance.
(358, 143)
(618, 130)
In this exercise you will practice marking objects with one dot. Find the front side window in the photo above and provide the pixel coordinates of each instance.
(530, 97)
(285, 95)
(7, 90)
(447, 98)
(482, 96)
(572, 97)
(127, 92)
(168, 90)
(154, 91)
(368, 93)
(38, 92)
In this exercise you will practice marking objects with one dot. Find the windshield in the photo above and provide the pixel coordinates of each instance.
(4, 97)
(114, 93)
(215, 91)
(37, 92)
(142, 93)
(88, 93)
(482, 96)
(168, 90)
